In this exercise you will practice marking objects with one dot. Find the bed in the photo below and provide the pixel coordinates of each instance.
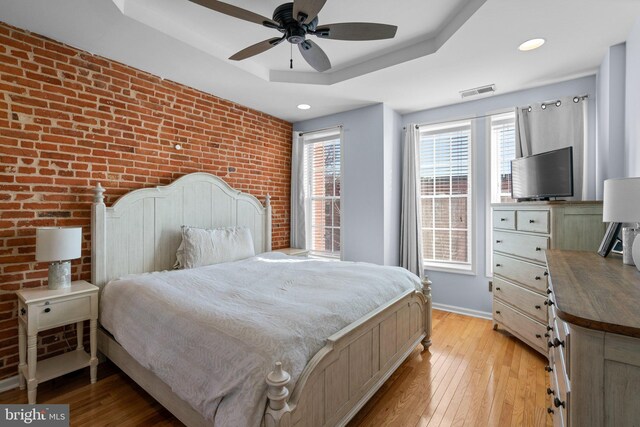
(140, 234)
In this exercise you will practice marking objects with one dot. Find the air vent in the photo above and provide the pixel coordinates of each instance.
(478, 91)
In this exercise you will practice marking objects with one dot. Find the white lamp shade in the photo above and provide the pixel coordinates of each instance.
(58, 243)
(621, 200)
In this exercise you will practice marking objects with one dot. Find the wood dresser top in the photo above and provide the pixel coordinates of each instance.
(595, 292)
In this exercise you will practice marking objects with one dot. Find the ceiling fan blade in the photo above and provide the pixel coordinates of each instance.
(356, 31)
(315, 56)
(310, 8)
(257, 48)
(236, 12)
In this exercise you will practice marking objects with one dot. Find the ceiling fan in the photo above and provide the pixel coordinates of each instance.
(295, 21)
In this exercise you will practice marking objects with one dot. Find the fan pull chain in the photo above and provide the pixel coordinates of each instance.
(291, 56)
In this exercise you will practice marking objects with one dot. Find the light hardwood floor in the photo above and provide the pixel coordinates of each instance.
(472, 375)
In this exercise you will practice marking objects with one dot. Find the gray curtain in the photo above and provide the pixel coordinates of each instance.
(411, 216)
(541, 130)
(298, 235)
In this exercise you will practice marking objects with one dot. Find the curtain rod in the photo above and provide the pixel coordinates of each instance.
(320, 130)
(576, 99)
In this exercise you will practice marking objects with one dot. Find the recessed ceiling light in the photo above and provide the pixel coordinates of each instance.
(304, 106)
(531, 44)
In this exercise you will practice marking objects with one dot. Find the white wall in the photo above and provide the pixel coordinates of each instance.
(392, 177)
(632, 103)
(610, 124)
(471, 291)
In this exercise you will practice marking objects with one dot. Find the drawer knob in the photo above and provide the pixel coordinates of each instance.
(550, 344)
(537, 277)
(538, 307)
(498, 265)
(538, 248)
(503, 219)
(549, 328)
(549, 391)
(558, 343)
(548, 302)
(546, 273)
(23, 311)
(497, 311)
(547, 335)
(46, 310)
(498, 288)
(558, 403)
(531, 221)
(498, 241)
(538, 336)
(548, 291)
(548, 368)
(550, 411)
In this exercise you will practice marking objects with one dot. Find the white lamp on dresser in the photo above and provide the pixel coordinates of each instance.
(58, 245)
(622, 204)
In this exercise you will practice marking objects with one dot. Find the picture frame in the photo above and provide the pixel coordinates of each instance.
(609, 239)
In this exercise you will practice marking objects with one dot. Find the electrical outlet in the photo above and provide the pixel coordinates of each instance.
(490, 286)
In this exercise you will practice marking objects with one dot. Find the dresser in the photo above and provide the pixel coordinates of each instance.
(522, 232)
(594, 340)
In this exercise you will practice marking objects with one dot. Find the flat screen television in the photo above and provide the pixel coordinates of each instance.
(544, 175)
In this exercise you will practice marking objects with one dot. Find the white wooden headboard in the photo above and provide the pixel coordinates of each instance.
(141, 232)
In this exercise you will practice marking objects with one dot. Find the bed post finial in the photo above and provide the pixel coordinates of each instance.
(278, 412)
(267, 200)
(98, 194)
(426, 291)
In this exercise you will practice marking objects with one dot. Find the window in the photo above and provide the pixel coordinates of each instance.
(503, 150)
(445, 192)
(322, 192)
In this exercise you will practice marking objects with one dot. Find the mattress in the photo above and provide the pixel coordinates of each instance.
(213, 333)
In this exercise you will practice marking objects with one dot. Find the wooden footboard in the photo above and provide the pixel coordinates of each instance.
(352, 366)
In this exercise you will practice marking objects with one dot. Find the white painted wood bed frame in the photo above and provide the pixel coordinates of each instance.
(141, 232)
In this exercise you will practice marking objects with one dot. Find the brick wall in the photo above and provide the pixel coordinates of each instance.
(69, 119)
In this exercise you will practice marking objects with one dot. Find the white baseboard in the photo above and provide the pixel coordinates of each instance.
(9, 383)
(462, 310)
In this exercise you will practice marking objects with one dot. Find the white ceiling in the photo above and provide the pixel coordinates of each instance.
(475, 43)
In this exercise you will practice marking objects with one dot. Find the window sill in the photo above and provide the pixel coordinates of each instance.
(324, 255)
(450, 268)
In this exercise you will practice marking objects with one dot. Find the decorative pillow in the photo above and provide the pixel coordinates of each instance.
(201, 247)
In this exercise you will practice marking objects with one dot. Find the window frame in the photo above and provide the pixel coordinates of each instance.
(312, 138)
(489, 189)
(454, 267)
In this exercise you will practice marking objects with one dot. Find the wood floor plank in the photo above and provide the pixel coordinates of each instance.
(471, 375)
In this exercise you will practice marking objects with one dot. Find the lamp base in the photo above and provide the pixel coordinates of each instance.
(636, 252)
(60, 275)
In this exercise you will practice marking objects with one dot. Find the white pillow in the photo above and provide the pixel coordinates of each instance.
(201, 247)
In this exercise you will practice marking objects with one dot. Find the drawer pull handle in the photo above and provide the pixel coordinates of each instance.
(503, 219)
(538, 307)
(548, 368)
(46, 310)
(549, 391)
(498, 265)
(549, 328)
(537, 277)
(531, 221)
(558, 343)
(548, 302)
(498, 241)
(538, 248)
(550, 411)
(558, 403)
(23, 311)
(538, 336)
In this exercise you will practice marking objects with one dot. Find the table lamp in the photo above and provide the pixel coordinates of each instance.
(58, 245)
(622, 204)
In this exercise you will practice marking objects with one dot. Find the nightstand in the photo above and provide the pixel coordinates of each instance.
(293, 251)
(41, 309)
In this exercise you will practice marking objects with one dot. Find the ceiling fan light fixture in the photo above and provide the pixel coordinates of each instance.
(304, 106)
(531, 44)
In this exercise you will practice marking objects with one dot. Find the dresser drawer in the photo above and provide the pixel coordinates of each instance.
(560, 399)
(559, 413)
(533, 221)
(526, 328)
(529, 302)
(505, 220)
(524, 245)
(530, 275)
(561, 331)
(63, 312)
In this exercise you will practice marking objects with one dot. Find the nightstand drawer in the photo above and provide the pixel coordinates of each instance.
(524, 245)
(505, 220)
(529, 302)
(534, 221)
(532, 276)
(63, 312)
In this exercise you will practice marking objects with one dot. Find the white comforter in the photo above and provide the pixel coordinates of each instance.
(213, 333)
